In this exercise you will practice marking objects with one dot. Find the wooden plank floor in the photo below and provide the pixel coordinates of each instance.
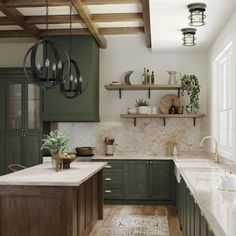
(101, 227)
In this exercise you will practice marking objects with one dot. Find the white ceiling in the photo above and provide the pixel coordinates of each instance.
(168, 17)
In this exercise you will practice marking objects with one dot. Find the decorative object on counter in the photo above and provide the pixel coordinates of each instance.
(152, 78)
(173, 109)
(132, 110)
(136, 78)
(172, 77)
(109, 148)
(154, 110)
(166, 103)
(16, 167)
(189, 37)
(73, 84)
(148, 76)
(142, 106)
(47, 74)
(67, 159)
(180, 109)
(56, 142)
(190, 84)
(144, 76)
(85, 151)
(197, 16)
(125, 77)
(115, 83)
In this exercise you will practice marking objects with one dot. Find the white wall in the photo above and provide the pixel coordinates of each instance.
(12, 51)
(130, 53)
(126, 53)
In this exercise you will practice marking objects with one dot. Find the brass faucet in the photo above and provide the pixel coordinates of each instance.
(217, 154)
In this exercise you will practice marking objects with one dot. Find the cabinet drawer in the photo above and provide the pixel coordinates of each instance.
(115, 165)
(109, 178)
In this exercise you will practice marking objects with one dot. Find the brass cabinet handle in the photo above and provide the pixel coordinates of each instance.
(108, 167)
(108, 179)
(108, 191)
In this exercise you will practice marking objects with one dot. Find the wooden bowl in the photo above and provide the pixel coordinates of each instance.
(84, 150)
(67, 162)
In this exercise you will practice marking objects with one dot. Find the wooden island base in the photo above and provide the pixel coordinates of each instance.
(51, 211)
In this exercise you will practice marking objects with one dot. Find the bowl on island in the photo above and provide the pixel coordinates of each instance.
(67, 159)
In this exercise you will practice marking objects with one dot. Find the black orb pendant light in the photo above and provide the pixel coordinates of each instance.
(189, 36)
(72, 84)
(49, 73)
(197, 14)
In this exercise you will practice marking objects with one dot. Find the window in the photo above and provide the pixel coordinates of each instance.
(223, 101)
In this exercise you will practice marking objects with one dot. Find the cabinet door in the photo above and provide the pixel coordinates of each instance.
(197, 221)
(33, 109)
(203, 226)
(31, 144)
(136, 180)
(2, 154)
(161, 180)
(2, 106)
(15, 106)
(13, 148)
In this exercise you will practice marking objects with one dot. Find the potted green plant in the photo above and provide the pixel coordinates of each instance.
(56, 143)
(142, 106)
(191, 86)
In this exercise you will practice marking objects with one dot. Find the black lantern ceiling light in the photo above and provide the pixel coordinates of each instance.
(50, 73)
(189, 36)
(72, 84)
(197, 14)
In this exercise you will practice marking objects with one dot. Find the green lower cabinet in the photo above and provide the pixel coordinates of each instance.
(139, 182)
(192, 222)
(2, 153)
(161, 172)
(136, 179)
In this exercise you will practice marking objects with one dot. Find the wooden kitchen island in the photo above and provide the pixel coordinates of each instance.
(41, 202)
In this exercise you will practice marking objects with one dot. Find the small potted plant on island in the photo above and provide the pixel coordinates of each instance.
(142, 106)
(56, 143)
(190, 85)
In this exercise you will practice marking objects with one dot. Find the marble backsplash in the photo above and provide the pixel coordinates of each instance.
(148, 137)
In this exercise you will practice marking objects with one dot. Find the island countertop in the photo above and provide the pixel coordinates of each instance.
(45, 175)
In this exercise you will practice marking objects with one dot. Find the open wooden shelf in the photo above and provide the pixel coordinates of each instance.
(147, 87)
(163, 116)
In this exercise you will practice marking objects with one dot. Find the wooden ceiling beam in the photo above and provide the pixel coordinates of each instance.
(66, 32)
(116, 17)
(15, 15)
(146, 19)
(85, 15)
(121, 30)
(63, 19)
(41, 3)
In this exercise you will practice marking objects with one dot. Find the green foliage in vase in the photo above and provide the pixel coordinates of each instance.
(56, 141)
(141, 102)
(190, 84)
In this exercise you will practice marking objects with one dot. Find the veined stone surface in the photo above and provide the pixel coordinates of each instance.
(148, 137)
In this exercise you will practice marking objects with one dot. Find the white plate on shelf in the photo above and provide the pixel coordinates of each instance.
(125, 77)
(136, 78)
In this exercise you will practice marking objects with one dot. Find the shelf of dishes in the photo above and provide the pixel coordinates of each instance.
(148, 87)
(163, 116)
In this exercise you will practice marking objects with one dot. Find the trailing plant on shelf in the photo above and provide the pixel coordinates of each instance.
(56, 143)
(142, 106)
(190, 85)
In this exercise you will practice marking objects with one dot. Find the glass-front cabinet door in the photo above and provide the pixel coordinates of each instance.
(15, 106)
(33, 107)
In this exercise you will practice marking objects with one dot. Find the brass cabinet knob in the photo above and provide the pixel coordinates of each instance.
(108, 191)
(108, 167)
(108, 179)
(150, 162)
(147, 162)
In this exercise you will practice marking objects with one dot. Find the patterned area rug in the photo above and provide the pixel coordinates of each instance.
(138, 225)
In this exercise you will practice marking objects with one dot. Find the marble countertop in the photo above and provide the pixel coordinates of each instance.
(45, 175)
(203, 178)
(143, 156)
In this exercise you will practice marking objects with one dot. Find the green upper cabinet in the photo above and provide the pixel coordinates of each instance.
(85, 107)
(2, 106)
